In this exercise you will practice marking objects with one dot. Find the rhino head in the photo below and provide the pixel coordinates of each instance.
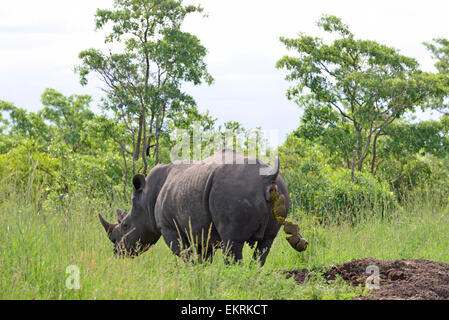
(134, 233)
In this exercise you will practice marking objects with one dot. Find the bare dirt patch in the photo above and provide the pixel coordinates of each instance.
(397, 279)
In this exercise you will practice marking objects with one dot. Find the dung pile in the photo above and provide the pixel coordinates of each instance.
(391, 279)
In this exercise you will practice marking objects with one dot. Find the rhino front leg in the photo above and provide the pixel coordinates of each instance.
(182, 247)
(232, 250)
(262, 250)
(173, 241)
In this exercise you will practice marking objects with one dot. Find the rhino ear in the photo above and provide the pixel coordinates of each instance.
(120, 215)
(138, 182)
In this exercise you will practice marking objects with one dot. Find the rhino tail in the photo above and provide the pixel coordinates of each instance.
(274, 175)
(279, 212)
(270, 179)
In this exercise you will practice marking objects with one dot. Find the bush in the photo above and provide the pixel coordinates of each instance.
(331, 195)
(424, 176)
(28, 168)
(55, 173)
(317, 187)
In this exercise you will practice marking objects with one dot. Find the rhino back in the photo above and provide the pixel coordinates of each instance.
(182, 202)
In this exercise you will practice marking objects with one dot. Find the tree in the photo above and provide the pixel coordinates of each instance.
(65, 144)
(144, 82)
(23, 124)
(323, 125)
(357, 82)
(440, 52)
(69, 116)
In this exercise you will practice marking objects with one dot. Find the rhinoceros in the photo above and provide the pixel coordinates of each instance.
(207, 204)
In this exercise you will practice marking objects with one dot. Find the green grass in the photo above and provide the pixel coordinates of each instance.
(40, 239)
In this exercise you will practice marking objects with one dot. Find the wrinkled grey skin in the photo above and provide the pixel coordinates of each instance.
(225, 201)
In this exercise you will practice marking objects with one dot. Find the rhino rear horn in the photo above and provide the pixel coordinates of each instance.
(108, 227)
(120, 215)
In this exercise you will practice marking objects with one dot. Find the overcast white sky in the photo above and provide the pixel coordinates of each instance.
(40, 42)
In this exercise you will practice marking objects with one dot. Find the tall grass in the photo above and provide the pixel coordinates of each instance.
(41, 238)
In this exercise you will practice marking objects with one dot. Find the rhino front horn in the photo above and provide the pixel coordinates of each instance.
(108, 227)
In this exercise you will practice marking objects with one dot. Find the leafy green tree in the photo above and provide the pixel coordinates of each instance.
(21, 123)
(321, 189)
(430, 136)
(65, 145)
(357, 82)
(144, 81)
(69, 116)
(440, 52)
(322, 125)
(409, 151)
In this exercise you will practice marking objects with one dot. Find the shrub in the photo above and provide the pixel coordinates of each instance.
(27, 165)
(56, 173)
(331, 195)
(317, 186)
(424, 176)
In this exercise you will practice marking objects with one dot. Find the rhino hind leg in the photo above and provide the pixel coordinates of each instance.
(232, 250)
(201, 253)
(262, 250)
(172, 240)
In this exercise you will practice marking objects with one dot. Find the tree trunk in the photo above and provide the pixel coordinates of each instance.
(156, 150)
(159, 123)
(150, 135)
(125, 182)
(373, 161)
(353, 165)
(139, 138)
(144, 144)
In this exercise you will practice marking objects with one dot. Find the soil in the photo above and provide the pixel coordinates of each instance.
(390, 279)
